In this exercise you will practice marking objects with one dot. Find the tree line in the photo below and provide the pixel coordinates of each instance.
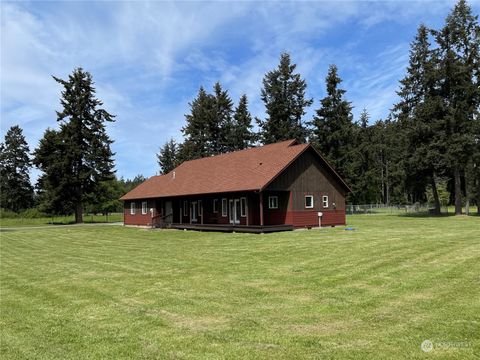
(426, 150)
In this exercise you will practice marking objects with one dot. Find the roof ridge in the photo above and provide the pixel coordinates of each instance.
(291, 142)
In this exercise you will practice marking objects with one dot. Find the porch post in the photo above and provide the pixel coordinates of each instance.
(202, 212)
(246, 208)
(261, 208)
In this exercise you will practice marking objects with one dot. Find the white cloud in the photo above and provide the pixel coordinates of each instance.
(149, 58)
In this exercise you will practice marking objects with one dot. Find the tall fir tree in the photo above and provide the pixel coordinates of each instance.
(168, 157)
(333, 128)
(210, 125)
(458, 50)
(420, 111)
(283, 93)
(366, 182)
(83, 157)
(16, 191)
(242, 136)
(221, 126)
(196, 132)
(52, 187)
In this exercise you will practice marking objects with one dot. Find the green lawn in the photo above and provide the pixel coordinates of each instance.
(108, 292)
(58, 220)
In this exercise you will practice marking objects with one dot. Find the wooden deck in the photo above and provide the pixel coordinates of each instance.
(257, 229)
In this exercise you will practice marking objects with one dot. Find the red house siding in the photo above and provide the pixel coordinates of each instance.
(138, 218)
(309, 218)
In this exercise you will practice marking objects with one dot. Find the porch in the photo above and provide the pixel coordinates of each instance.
(240, 212)
(256, 229)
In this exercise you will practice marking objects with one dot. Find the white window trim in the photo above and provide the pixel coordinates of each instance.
(325, 201)
(185, 208)
(224, 207)
(270, 198)
(144, 208)
(215, 206)
(311, 206)
(243, 207)
(132, 208)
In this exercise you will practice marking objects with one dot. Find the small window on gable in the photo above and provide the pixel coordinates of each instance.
(144, 207)
(185, 208)
(224, 207)
(308, 201)
(132, 208)
(215, 205)
(243, 207)
(273, 202)
(325, 201)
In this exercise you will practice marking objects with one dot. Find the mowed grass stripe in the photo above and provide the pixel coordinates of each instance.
(114, 292)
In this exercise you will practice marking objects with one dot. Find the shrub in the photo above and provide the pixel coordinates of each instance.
(8, 214)
(33, 213)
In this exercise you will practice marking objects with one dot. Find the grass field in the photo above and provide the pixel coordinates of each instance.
(58, 220)
(111, 292)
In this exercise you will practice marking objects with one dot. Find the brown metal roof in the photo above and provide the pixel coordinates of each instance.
(244, 170)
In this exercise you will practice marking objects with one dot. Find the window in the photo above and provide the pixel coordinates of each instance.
(215, 205)
(243, 207)
(224, 207)
(185, 208)
(144, 207)
(273, 202)
(308, 201)
(200, 208)
(325, 201)
(132, 208)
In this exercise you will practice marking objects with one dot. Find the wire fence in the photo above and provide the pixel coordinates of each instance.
(21, 220)
(392, 209)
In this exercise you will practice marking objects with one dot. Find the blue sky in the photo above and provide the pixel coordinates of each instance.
(148, 59)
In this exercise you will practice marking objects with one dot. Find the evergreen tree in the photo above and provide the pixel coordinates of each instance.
(168, 157)
(419, 111)
(130, 184)
(242, 136)
(333, 128)
(221, 125)
(458, 50)
(107, 199)
(209, 125)
(52, 185)
(81, 148)
(16, 192)
(284, 96)
(197, 131)
(366, 182)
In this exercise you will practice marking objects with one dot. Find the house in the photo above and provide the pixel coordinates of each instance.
(269, 188)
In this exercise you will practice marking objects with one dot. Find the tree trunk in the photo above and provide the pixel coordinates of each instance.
(79, 213)
(383, 183)
(388, 183)
(458, 191)
(467, 198)
(436, 200)
(467, 205)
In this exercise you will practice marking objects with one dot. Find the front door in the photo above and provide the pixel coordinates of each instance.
(193, 209)
(168, 212)
(234, 213)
